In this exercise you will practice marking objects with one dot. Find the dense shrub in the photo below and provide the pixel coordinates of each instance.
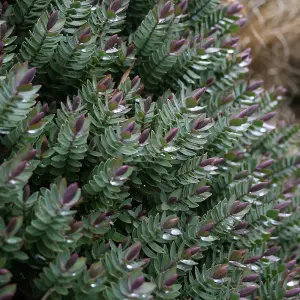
(136, 158)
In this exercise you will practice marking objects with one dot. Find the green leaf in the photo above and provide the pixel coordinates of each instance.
(20, 255)
(8, 291)
(273, 213)
(238, 122)
(156, 248)
(145, 288)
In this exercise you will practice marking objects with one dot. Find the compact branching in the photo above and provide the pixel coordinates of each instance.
(137, 161)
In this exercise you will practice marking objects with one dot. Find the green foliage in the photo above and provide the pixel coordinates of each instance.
(136, 161)
(108, 18)
(17, 96)
(71, 147)
(153, 29)
(7, 290)
(7, 46)
(28, 130)
(72, 55)
(202, 9)
(43, 41)
(75, 12)
(26, 12)
(52, 216)
(60, 274)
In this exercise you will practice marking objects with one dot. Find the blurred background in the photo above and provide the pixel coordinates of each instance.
(273, 33)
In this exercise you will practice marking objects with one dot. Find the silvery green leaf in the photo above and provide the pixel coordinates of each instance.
(293, 283)
(209, 238)
(173, 231)
(188, 262)
(146, 288)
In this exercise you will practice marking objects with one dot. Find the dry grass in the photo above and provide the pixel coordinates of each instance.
(273, 33)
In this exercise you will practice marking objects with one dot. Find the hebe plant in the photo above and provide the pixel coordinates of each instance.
(137, 161)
